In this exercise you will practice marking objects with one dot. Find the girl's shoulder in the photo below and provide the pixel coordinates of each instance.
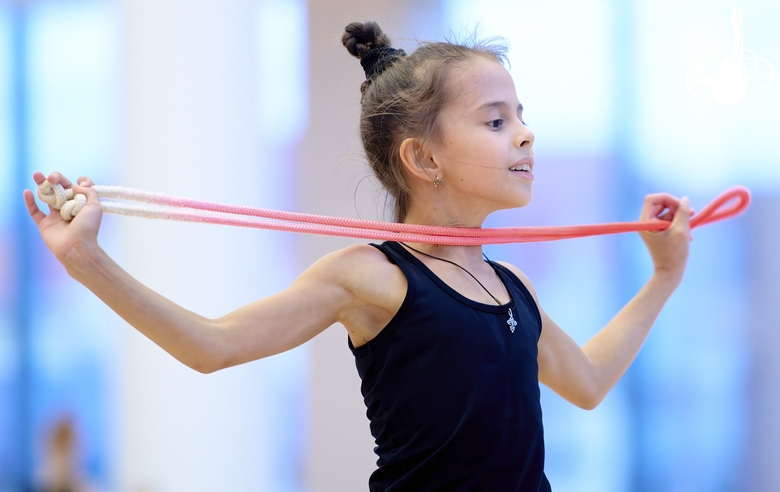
(365, 273)
(359, 258)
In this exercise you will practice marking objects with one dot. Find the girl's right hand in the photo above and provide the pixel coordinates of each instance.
(668, 248)
(63, 237)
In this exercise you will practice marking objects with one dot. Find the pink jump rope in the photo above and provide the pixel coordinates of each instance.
(126, 201)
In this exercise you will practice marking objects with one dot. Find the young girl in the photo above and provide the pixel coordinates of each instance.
(450, 348)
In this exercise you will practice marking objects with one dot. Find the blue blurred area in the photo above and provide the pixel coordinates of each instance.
(9, 353)
(55, 352)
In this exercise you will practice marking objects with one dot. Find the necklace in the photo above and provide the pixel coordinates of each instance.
(511, 321)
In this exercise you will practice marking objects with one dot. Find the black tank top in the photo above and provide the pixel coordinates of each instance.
(452, 394)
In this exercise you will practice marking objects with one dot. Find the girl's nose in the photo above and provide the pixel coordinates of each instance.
(524, 137)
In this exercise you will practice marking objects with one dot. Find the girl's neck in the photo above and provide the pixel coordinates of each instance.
(435, 208)
(469, 257)
(444, 213)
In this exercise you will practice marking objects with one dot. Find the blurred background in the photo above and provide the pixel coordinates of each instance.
(255, 102)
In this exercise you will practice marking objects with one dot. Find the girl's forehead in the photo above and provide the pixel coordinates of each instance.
(482, 81)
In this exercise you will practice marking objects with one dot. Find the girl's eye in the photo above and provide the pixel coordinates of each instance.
(496, 124)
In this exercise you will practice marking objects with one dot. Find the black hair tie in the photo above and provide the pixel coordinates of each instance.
(377, 60)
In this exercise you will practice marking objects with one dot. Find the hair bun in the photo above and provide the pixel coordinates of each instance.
(372, 47)
(359, 38)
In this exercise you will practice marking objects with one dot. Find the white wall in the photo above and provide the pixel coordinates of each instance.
(191, 129)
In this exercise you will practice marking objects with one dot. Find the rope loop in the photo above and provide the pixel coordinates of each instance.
(719, 208)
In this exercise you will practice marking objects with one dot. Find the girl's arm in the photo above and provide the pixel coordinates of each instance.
(584, 375)
(317, 299)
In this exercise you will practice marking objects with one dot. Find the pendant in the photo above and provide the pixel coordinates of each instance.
(511, 321)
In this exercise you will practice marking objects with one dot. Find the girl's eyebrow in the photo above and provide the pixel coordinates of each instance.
(501, 104)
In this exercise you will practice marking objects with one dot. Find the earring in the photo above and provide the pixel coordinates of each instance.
(437, 181)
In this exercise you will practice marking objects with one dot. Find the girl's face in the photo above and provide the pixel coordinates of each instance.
(484, 148)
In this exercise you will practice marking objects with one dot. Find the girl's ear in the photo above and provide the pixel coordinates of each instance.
(418, 162)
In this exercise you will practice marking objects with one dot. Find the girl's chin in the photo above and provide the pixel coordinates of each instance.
(523, 200)
(516, 204)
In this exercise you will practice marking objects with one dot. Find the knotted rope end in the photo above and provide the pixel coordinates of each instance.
(62, 199)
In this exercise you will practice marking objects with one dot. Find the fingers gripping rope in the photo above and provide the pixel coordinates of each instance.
(114, 199)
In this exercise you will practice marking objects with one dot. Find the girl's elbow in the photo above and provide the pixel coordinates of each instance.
(216, 362)
(208, 360)
(588, 403)
(582, 399)
(215, 355)
(204, 366)
(590, 398)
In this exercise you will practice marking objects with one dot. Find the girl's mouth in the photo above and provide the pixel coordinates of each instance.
(524, 170)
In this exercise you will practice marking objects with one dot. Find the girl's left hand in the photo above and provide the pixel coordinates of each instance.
(61, 236)
(668, 248)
